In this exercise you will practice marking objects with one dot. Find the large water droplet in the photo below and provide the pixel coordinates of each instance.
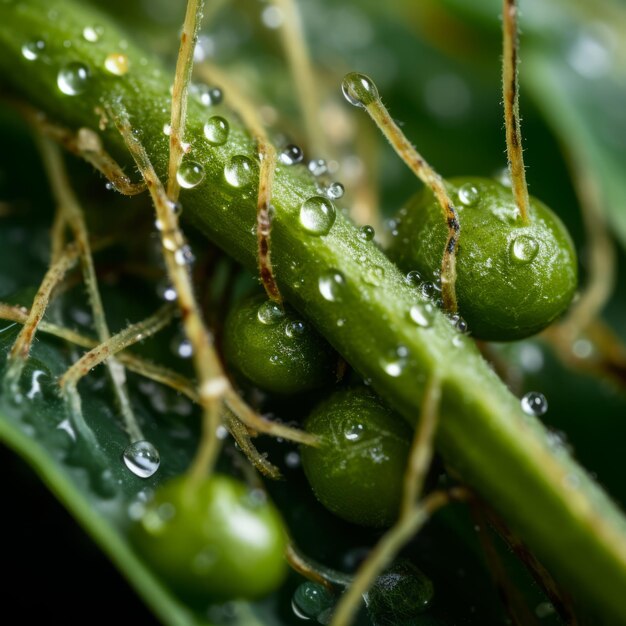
(216, 130)
(534, 403)
(523, 249)
(310, 599)
(32, 49)
(73, 78)
(116, 63)
(335, 191)
(413, 278)
(291, 155)
(359, 90)
(239, 171)
(190, 174)
(422, 315)
(270, 313)
(295, 328)
(468, 194)
(317, 215)
(331, 285)
(142, 458)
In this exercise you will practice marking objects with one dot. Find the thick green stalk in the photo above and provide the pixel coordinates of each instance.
(349, 289)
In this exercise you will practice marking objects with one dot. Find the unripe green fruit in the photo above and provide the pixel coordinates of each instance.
(275, 349)
(216, 541)
(358, 469)
(513, 278)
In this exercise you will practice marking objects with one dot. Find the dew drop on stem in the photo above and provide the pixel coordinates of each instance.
(142, 458)
(317, 215)
(534, 403)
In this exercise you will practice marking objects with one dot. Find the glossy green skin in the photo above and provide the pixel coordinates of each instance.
(500, 297)
(272, 357)
(213, 543)
(358, 479)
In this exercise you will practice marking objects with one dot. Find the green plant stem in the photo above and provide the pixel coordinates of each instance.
(543, 495)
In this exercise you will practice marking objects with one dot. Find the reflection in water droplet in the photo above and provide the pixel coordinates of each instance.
(335, 191)
(73, 78)
(422, 315)
(216, 130)
(394, 362)
(32, 49)
(310, 600)
(367, 233)
(190, 174)
(317, 215)
(142, 458)
(239, 171)
(523, 249)
(468, 194)
(317, 167)
(92, 33)
(270, 313)
(359, 90)
(331, 285)
(116, 63)
(534, 403)
(291, 155)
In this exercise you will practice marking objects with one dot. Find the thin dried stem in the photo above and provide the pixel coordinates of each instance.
(422, 448)
(299, 563)
(418, 165)
(184, 67)
(295, 48)
(267, 154)
(23, 342)
(385, 551)
(72, 215)
(212, 381)
(510, 88)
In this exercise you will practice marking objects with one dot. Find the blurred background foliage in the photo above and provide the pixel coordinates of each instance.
(437, 66)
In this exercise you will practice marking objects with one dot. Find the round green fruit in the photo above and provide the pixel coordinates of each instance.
(358, 469)
(513, 278)
(213, 542)
(275, 349)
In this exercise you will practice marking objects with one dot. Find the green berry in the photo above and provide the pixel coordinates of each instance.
(513, 278)
(213, 542)
(358, 469)
(275, 349)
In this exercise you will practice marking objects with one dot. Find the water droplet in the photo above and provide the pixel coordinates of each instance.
(176, 208)
(239, 171)
(534, 403)
(184, 255)
(216, 130)
(116, 63)
(317, 167)
(32, 49)
(428, 289)
(523, 249)
(544, 609)
(295, 328)
(335, 191)
(590, 54)
(394, 363)
(92, 33)
(190, 174)
(142, 458)
(317, 215)
(367, 233)
(272, 16)
(167, 129)
(413, 278)
(292, 459)
(310, 599)
(209, 96)
(459, 324)
(166, 292)
(182, 347)
(331, 285)
(353, 431)
(270, 313)
(73, 78)
(468, 194)
(359, 90)
(291, 155)
(422, 315)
